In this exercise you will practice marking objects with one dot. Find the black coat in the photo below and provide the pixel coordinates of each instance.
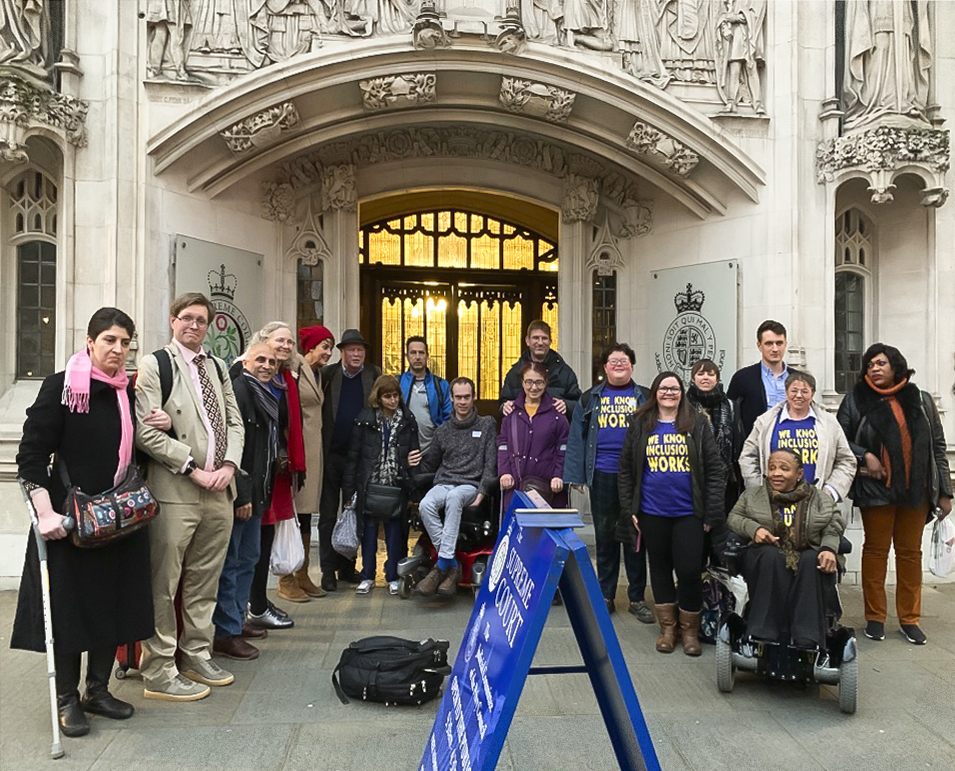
(869, 424)
(254, 483)
(332, 386)
(707, 475)
(102, 597)
(365, 450)
(561, 380)
(747, 392)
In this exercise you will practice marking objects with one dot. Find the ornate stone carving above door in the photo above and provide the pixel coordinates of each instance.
(261, 129)
(662, 149)
(24, 105)
(409, 88)
(537, 99)
(581, 196)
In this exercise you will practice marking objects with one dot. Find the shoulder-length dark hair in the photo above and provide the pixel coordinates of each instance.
(649, 412)
(900, 367)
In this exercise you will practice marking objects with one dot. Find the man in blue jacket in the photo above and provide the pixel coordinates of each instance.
(426, 394)
(597, 431)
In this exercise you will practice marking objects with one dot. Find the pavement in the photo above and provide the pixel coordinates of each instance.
(281, 714)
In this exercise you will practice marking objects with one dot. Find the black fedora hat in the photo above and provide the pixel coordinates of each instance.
(350, 337)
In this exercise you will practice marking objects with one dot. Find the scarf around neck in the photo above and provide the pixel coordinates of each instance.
(386, 472)
(793, 539)
(76, 398)
(719, 411)
(905, 435)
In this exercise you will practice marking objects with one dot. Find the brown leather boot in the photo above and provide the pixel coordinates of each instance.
(290, 590)
(301, 575)
(666, 615)
(690, 632)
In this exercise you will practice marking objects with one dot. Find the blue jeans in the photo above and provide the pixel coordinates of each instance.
(235, 582)
(395, 545)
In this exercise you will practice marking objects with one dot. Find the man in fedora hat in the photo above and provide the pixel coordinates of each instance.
(347, 384)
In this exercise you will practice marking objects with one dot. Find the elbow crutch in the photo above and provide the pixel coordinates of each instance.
(56, 750)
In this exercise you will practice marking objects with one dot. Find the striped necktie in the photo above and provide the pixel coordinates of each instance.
(211, 404)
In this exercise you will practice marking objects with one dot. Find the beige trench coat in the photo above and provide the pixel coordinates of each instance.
(311, 396)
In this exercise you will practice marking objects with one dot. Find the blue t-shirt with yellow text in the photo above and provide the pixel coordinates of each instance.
(617, 404)
(667, 489)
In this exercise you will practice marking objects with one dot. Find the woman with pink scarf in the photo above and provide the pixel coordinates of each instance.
(83, 419)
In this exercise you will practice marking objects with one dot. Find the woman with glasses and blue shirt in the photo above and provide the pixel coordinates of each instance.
(671, 487)
(533, 441)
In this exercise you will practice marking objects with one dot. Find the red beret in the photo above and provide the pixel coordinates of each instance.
(309, 337)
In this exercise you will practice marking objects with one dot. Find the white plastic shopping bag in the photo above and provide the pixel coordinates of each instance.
(941, 560)
(288, 554)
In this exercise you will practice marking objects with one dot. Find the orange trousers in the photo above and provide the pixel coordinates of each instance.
(902, 527)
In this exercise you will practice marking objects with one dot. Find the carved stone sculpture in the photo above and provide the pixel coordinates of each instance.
(286, 28)
(587, 24)
(636, 219)
(428, 32)
(169, 30)
(739, 53)
(24, 38)
(879, 153)
(888, 59)
(657, 146)
(581, 196)
(412, 88)
(543, 20)
(539, 99)
(261, 129)
(278, 201)
(339, 187)
(640, 43)
(23, 104)
(685, 30)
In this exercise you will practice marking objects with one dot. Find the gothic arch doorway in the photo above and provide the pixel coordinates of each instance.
(468, 271)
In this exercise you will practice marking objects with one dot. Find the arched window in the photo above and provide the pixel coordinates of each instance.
(855, 260)
(33, 214)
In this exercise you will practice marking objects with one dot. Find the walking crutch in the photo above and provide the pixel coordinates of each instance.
(56, 750)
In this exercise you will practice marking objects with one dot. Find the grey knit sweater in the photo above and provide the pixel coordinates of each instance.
(464, 452)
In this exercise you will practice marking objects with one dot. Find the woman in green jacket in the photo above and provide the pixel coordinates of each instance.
(794, 531)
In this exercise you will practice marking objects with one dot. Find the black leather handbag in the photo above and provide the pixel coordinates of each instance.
(383, 501)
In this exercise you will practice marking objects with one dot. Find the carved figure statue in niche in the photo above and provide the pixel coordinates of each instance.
(686, 39)
(217, 26)
(888, 59)
(587, 24)
(637, 36)
(169, 26)
(24, 37)
(739, 51)
(353, 17)
(543, 20)
(286, 28)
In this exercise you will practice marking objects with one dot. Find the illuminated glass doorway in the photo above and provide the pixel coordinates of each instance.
(468, 282)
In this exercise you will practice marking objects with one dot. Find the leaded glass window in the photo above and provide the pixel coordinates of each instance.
(36, 309)
(604, 331)
(855, 253)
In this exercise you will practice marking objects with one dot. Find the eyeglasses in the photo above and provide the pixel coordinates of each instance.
(668, 389)
(618, 362)
(534, 383)
(190, 320)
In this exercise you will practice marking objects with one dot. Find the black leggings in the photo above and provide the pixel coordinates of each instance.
(258, 599)
(674, 544)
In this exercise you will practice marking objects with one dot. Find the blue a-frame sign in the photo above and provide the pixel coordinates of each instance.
(536, 552)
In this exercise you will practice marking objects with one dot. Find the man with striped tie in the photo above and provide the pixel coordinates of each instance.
(190, 470)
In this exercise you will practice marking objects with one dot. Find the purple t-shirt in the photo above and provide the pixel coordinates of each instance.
(617, 404)
(799, 436)
(666, 489)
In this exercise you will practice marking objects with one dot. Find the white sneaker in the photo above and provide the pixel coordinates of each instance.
(393, 587)
(365, 586)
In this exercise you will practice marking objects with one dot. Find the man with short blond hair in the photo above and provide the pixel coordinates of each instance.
(190, 471)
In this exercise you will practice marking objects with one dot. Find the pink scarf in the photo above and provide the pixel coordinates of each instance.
(76, 398)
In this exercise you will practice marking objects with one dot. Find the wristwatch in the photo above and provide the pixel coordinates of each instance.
(190, 467)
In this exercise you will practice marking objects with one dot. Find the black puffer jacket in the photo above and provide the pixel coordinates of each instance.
(561, 380)
(365, 450)
(707, 476)
(867, 419)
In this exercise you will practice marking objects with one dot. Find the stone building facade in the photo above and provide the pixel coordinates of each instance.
(802, 144)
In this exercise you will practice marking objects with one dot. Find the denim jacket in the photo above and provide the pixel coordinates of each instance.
(582, 441)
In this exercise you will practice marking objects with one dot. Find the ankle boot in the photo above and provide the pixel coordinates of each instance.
(666, 615)
(301, 575)
(71, 718)
(290, 590)
(690, 632)
(98, 699)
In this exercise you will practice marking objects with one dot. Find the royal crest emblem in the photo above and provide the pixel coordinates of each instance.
(229, 332)
(689, 338)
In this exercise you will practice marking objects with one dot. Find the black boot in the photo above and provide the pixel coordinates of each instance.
(72, 720)
(98, 699)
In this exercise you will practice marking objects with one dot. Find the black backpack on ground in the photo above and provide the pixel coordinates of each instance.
(392, 670)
